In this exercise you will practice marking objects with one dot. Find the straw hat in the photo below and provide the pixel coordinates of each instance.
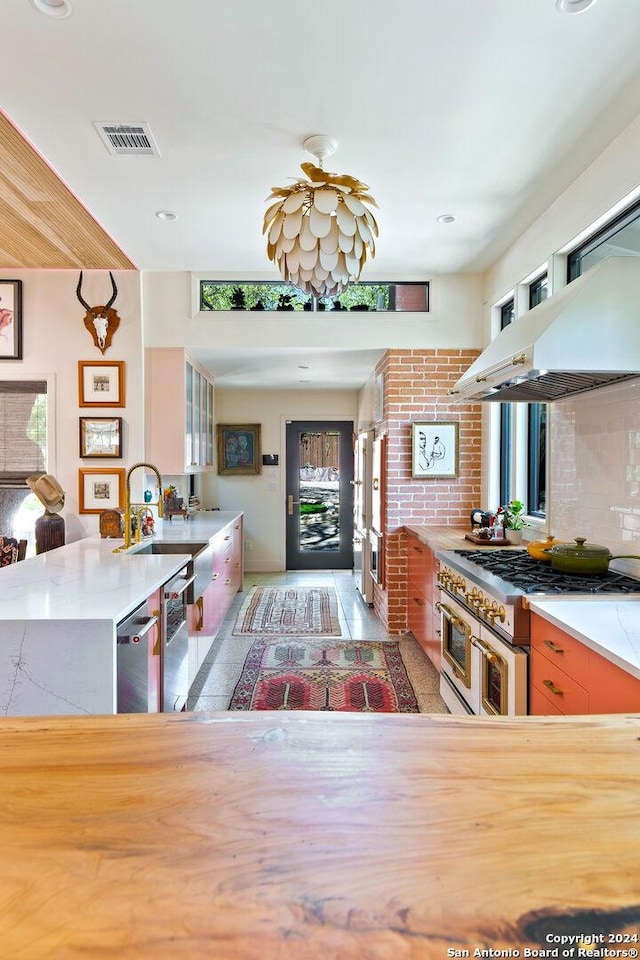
(47, 490)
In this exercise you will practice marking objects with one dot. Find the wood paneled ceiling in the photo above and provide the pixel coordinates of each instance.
(42, 224)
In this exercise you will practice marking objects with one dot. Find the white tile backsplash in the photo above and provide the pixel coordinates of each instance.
(594, 488)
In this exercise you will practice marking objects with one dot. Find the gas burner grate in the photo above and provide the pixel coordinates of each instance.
(522, 571)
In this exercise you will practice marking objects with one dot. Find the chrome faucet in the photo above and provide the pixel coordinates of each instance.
(128, 506)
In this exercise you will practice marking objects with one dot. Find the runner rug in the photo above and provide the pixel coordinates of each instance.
(290, 611)
(351, 676)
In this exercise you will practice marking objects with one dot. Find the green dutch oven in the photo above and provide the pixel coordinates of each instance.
(582, 558)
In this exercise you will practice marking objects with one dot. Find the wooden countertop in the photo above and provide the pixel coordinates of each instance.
(451, 538)
(274, 836)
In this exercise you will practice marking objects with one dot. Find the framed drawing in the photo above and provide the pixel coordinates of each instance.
(101, 489)
(10, 319)
(434, 450)
(239, 449)
(100, 436)
(101, 383)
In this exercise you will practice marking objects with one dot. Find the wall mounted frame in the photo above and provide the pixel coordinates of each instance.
(100, 489)
(101, 383)
(101, 437)
(10, 319)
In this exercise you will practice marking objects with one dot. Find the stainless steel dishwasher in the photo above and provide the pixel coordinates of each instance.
(174, 662)
(133, 636)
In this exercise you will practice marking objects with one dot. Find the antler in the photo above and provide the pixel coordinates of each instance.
(84, 302)
(115, 292)
(79, 295)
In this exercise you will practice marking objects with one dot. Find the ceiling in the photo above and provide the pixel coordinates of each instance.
(485, 111)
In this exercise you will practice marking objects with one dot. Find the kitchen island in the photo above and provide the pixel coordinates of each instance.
(59, 613)
(303, 835)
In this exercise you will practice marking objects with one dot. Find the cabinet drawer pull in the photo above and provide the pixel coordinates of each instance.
(551, 685)
(215, 576)
(417, 549)
(200, 605)
(418, 601)
(228, 537)
(552, 646)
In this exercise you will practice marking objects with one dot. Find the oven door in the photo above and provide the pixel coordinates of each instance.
(503, 676)
(460, 681)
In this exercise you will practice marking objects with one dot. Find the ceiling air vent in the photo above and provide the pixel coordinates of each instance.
(128, 139)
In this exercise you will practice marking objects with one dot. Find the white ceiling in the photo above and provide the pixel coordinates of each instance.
(484, 109)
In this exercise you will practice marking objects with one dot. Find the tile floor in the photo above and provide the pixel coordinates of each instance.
(216, 680)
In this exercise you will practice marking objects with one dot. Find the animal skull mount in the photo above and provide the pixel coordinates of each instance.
(102, 321)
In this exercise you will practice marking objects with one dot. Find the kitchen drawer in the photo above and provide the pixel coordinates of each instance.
(567, 653)
(540, 705)
(419, 559)
(419, 615)
(558, 687)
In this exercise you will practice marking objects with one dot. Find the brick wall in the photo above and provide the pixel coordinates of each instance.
(416, 385)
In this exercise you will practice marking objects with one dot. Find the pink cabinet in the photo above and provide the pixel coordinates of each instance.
(178, 412)
(207, 614)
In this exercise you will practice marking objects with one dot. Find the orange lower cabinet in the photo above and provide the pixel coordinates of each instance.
(565, 652)
(573, 678)
(611, 689)
(540, 705)
(561, 690)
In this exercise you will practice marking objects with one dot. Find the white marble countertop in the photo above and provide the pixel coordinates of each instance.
(609, 627)
(86, 580)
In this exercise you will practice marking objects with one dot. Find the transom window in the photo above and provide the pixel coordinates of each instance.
(388, 297)
(538, 291)
(619, 238)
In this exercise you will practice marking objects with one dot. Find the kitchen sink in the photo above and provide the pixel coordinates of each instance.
(170, 546)
(201, 562)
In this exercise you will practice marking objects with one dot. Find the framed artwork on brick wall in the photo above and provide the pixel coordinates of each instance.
(434, 450)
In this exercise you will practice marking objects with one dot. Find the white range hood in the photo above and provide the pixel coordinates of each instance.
(584, 337)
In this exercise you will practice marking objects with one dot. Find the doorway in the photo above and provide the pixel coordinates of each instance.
(319, 508)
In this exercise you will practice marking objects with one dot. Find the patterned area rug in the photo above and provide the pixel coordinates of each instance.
(351, 676)
(294, 611)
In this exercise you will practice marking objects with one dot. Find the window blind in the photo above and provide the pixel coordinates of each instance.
(23, 430)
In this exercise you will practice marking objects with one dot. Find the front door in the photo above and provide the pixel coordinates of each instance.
(319, 505)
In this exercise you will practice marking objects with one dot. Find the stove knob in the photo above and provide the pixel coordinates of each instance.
(484, 610)
(496, 613)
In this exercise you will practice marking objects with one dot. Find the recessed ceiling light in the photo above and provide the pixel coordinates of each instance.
(446, 218)
(166, 215)
(573, 6)
(53, 8)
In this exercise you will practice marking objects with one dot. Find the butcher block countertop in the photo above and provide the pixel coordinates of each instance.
(452, 538)
(274, 836)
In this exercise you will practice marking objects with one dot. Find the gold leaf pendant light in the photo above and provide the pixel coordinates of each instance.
(319, 230)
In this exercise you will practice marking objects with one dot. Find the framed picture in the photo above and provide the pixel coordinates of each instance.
(239, 449)
(101, 489)
(10, 319)
(101, 383)
(100, 436)
(434, 450)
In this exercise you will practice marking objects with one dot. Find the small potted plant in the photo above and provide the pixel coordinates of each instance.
(513, 520)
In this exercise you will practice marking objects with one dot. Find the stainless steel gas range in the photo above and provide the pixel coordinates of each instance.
(485, 623)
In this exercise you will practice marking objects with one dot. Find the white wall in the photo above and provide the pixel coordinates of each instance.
(171, 318)
(594, 464)
(55, 339)
(263, 497)
(171, 314)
